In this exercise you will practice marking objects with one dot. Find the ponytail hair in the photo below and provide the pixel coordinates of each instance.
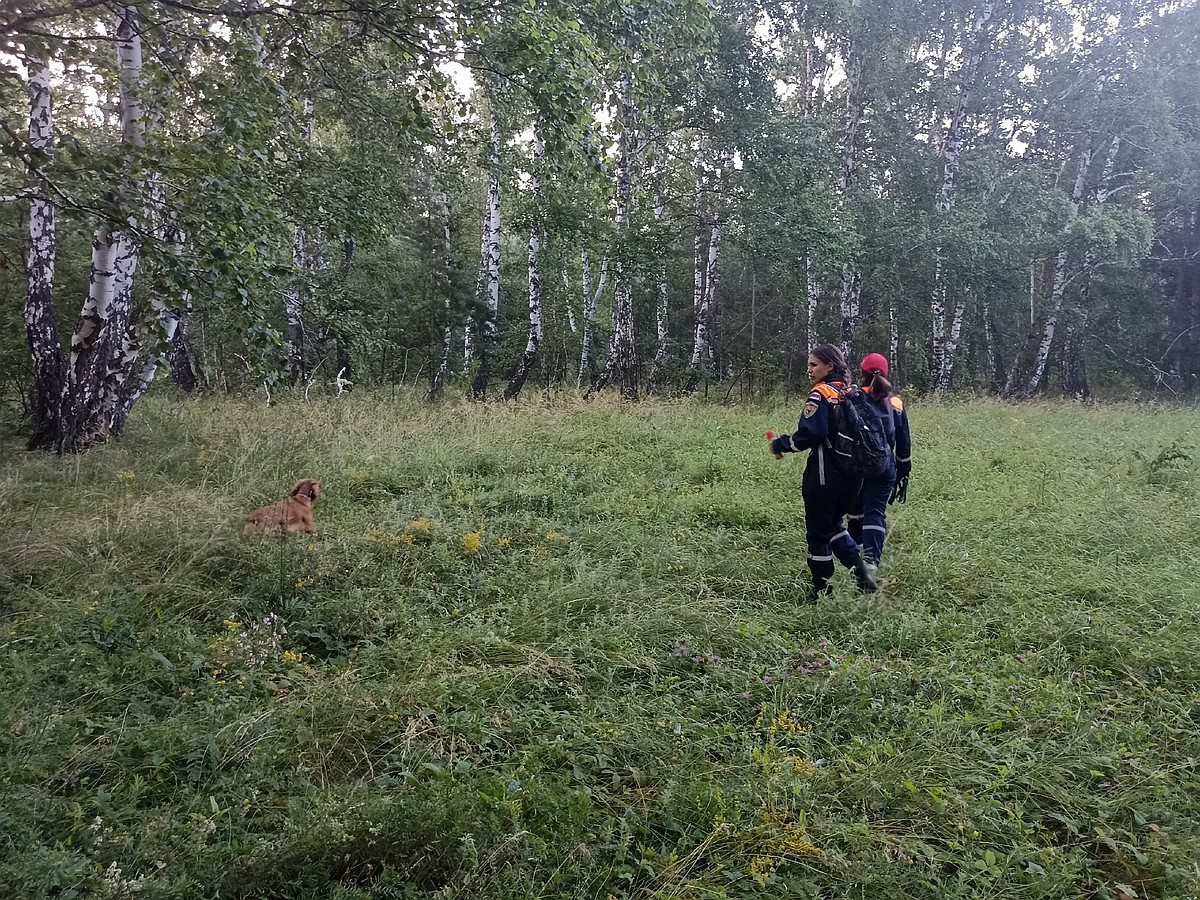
(876, 385)
(832, 356)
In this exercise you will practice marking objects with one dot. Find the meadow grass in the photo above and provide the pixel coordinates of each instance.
(557, 649)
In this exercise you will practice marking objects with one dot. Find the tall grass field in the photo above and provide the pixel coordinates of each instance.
(559, 650)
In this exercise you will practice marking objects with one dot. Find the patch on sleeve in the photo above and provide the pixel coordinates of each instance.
(810, 409)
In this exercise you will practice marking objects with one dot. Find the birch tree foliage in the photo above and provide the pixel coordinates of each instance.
(395, 156)
(161, 169)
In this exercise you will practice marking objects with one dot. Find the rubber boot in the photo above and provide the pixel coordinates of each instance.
(862, 575)
(817, 588)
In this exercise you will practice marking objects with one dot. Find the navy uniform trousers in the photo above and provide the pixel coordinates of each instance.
(828, 496)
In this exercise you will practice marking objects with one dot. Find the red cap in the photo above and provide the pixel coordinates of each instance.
(873, 361)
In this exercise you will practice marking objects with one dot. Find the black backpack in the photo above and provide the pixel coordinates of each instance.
(857, 436)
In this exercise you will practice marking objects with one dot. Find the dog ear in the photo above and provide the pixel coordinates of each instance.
(307, 487)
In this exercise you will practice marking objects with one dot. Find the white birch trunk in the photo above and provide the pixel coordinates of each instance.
(1058, 286)
(162, 339)
(992, 347)
(699, 323)
(806, 101)
(99, 346)
(702, 351)
(942, 356)
(951, 345)
(813, 297)
(123, 353)
(439, 380)
(622, 359)
(893, 333)
(1052, 310)
(534, 338)
(937, 309)
(487, 338)
(589, 312)
(808, 107)
(590, 300)
(41, 328)
(168, 325)
(293, 305)
(572, 322)
(662, 309)
(1104, 188)
(493, 243)
(165, 331)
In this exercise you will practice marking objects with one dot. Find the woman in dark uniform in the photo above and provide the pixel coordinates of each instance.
(868, 516)
(828, 492)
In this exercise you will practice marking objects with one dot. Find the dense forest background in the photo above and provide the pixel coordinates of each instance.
(657, 195)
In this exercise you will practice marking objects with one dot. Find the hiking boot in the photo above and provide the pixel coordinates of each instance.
(865, 579)
(815, 591)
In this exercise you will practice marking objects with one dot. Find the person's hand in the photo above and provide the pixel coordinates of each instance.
(899, 491)
(771, 444)
(903, 469)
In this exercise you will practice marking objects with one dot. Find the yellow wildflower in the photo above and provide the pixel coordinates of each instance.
(472, 541)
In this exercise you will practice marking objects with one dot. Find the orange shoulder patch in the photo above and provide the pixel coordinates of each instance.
(897, 403)
(827, 390)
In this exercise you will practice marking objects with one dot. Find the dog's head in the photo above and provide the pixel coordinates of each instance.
(308, 488)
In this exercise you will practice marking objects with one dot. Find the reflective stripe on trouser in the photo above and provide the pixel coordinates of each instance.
(841, 546)
(821, 568)
(854, 524)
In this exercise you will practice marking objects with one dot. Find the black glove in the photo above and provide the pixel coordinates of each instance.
(899, 491)
(903, 469)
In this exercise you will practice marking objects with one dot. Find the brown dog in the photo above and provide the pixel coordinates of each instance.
(293, 514)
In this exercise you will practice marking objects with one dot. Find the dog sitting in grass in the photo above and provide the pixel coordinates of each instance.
(290, 515)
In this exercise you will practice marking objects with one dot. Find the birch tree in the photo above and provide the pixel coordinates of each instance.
(534, 338)
(41, 329)
(662, 308)
(622, 358)
(439, 379)
(590, 300)
(97, 360)
(702, 237)
(490, 264)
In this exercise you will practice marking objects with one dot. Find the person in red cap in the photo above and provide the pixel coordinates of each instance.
(867, 522)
